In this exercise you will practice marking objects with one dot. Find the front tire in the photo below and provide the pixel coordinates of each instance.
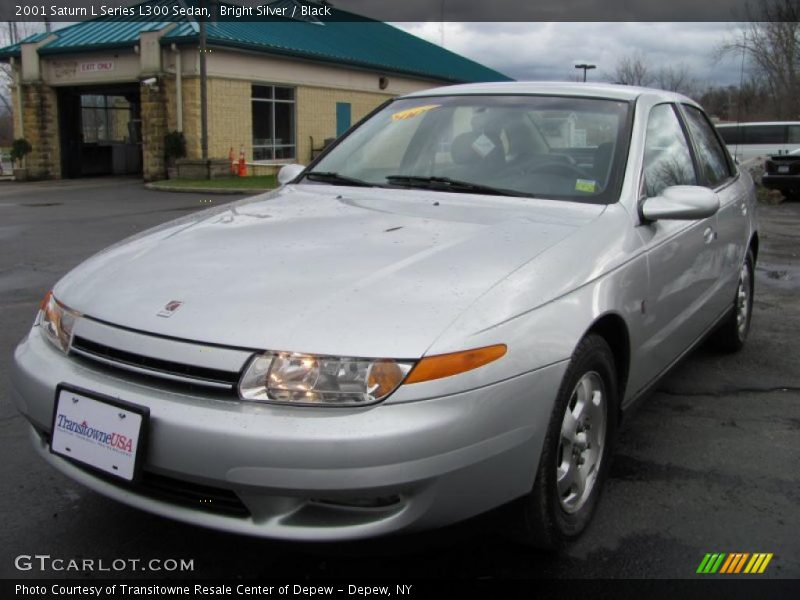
(732, 333)
(577, 450)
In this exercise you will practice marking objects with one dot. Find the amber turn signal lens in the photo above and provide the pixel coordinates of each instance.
(384, 376)
(445, 365)
(45, 301)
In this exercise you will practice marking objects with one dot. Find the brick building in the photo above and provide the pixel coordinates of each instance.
(99, 96)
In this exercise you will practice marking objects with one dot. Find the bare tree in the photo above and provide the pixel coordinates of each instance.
(11, 33)
(770, 42)
(632, 70)
(676, 78)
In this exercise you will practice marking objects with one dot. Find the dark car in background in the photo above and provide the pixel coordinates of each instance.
(782, 173)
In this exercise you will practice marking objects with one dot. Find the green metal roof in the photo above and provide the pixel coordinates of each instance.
(99, 34)
(356, 42)
(13, 49)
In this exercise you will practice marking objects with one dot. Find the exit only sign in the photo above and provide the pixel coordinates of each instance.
(96, 66)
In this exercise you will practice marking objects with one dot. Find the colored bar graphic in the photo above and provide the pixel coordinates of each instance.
(753, 562)
(764, 564)
(703, 564)
(732, 559)
(717, 564)
(741, 562)
(711, 563)
(734, 562)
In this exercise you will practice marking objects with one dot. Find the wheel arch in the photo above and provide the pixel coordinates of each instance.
(754, 246)
(613, 329)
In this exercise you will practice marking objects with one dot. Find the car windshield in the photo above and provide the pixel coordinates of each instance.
(537, 146)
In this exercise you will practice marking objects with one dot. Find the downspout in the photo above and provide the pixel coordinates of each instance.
(178, 87)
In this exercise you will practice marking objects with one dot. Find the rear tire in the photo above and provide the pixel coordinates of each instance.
(732, 333)
(577, 451)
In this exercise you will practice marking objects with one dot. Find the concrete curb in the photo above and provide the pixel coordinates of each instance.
(201, 190)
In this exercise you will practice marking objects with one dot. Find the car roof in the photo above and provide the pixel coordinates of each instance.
(588, 90)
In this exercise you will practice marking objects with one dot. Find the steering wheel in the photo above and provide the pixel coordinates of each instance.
(557, 168)
(557, 164)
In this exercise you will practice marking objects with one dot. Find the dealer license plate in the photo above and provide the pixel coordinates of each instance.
(101, 432)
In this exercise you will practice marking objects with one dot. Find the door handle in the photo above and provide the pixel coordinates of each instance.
(709, 235)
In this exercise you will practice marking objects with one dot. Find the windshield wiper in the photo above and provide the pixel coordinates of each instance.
(446, 184)
(336, 179)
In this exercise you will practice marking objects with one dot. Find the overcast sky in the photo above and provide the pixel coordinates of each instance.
(549, 51)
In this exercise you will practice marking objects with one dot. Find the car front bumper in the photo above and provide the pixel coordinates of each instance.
(305, 473)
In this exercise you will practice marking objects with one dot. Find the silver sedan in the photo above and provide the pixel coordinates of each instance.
(450, 310)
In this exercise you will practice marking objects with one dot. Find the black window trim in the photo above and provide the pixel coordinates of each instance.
(273, 101)
(689, 143)
(732, 171)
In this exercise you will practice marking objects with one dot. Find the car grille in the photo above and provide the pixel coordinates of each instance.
(184, 366)
(153, 366)
(191, 495)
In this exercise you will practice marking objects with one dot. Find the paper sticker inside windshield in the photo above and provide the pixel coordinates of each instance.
(410, 113)
(585, 185)
(483, 145)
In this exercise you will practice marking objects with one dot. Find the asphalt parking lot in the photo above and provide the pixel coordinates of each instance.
(708, 464)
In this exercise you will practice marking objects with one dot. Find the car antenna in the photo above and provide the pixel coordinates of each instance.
(739, 130)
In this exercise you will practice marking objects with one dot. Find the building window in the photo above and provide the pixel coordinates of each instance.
(273, 122)
(106, 119)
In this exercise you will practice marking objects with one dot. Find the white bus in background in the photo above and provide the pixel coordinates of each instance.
(751, 140)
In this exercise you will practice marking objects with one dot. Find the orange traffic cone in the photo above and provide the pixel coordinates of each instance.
(242, 165)
(232, 160)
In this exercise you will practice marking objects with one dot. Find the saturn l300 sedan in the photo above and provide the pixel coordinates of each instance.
(448, 311)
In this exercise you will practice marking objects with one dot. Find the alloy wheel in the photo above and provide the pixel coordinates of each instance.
(580, 451)
(743, 302)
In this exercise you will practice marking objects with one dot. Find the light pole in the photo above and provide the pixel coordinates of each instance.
(585, 67)
(203, 43)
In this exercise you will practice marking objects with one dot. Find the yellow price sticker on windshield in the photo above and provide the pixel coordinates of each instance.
(410, 113)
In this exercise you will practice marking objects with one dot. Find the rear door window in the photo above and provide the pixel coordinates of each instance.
(710, 153)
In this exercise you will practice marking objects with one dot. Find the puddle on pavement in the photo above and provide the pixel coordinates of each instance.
(784, 276)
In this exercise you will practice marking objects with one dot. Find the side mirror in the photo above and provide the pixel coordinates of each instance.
(681, 202)
(289, 173)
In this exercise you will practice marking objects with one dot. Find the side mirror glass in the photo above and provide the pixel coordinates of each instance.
(681, 202)
(289, 173)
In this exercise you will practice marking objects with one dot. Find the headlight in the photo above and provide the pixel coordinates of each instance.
(57, 322)
(321, 380)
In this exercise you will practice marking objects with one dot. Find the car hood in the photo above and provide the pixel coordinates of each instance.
(319, 268)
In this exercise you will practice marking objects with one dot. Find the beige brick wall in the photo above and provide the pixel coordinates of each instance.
(230, 115)
(191, 115)
(229, 121)
(154, 128)
(40, 124)
(229, 118)
(316, 114)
